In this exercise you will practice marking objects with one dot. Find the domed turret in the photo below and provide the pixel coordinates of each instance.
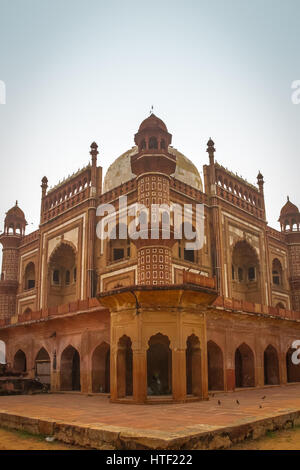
(289, 217)
(153, 122)
(153, 136)
(15, 221)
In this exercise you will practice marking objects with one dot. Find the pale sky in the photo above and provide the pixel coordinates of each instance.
(83, 70)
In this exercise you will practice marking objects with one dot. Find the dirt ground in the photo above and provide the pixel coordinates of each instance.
(18, 440)
(279, 440)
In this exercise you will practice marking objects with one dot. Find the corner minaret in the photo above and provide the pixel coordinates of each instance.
(153, 165)
(44, 187)
(290, 225)
(14, 231)
(260, 183)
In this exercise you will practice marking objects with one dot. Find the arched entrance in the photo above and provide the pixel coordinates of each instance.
(124, 367)
(271, 366)
(101, 369)
(20, 361)
(62, 275)
(245, 278)
(29, 276)
(70, 370)
(159, 366)
(193, 366)
(215, 367)
(244, 367)
(292, 370)
(42, 367)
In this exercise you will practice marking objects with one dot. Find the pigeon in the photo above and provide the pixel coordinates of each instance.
(213, 395)
(238, 402)
(260, 406)
(219, 403)
(50, 439)
(264, 397)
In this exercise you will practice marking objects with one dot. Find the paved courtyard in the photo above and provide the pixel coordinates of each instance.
(166, 422)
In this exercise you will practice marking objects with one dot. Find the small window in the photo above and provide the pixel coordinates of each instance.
(118, 253)
(162, 144)
(75, 274)
(276, 277)
(153, 143)
(31, 284)
(240, 274)
(56, 276)
(232, 272)
(189, 255)
(67, 277)
(251, 274)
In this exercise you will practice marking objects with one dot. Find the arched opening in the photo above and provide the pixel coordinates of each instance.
(2, 352)
(187, 234)
(70, 369)
(153, 143)
(215, 367)
(159, 366)
(29, 276)
(20, 361)
(277, 272)
(280, 305)
(292, 370)
(43, 367)
(60, 288)
(119, 248)
(244, 367)
(271, 366)
(124, 367)
(68, 277)
(27, 311)
(101, 369)
(193, 366)
(246, 286)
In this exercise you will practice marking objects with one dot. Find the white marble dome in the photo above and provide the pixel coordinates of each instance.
(120, 172)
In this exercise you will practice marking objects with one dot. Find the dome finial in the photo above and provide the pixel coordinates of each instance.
(288, 198)
(211, 151)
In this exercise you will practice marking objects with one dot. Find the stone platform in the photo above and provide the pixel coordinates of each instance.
(93, 421)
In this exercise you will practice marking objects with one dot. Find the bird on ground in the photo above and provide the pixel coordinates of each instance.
(238, 402)
(260, 406)
(213, 395)
(219, 403)
(264, 397)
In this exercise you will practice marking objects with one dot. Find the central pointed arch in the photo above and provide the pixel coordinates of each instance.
(193, 366)
(124, 367)
(244, 367)
(20, 363)
(215, 366)
(159, 365)
(271, 366)
(101, 369)
(70, 369)
(42, 367)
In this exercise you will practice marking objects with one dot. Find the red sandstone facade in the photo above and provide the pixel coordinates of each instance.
(147, 319)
